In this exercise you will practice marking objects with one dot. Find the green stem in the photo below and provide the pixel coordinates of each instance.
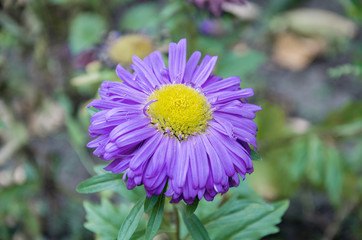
(177, 219)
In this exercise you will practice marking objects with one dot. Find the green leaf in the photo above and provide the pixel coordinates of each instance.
(155, 220)
(99, 183)
(93, 110)
(334, 175)
(132, 195)
(254, 155)
(245, 219)
(140, 16)
(99, 169)
(231, 64)
(170, 10)
(130, 224)
(151, 202)
(195, 226)
(191, 208)
(85, 31)
(105, 219)
(315, 160)
(298, 163)
(271, 122)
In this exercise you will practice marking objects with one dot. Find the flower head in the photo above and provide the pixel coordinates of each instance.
(178, 126)
(215, 6)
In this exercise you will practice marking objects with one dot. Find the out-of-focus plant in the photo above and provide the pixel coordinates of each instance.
(321, 156)
(353, 8)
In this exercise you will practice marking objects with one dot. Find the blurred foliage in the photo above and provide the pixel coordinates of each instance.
(86, 30)
(52, 60)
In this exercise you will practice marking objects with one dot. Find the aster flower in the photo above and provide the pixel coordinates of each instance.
(215, 6)
(178, 126)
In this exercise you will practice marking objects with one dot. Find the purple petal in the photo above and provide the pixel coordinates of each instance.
(144, 72)
(158, 161)
(158, 66)
(222, 84)
(216, 167)
(227, 96)
(128, 126)
(222, 152)
(193, 171)
(121, 166)
(145, 152)
(181, 164)
(202, 162)
(135, 136)
(191, 66)
(177, 61)
(204, 70)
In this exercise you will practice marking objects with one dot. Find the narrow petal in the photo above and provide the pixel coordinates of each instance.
(135, 136)
(216, 167)
(227, 96)
(171, 156)
(128, 126)
(177, 61)
(121, 166)
(204, 71)
(181, 164)
(129, 79)
(202, 162)
(144, 72)
(222, 84)
(126, 92)
(145, 152)
(240, 122)
(238, 150)
(191, 66)
(193, 171)
(222, 152)
(158, 66)
(158, 161)
(245, 136)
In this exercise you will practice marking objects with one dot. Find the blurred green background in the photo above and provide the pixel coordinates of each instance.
(302, 57)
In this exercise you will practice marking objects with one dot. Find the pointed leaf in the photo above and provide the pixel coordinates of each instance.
(334, 175)
(104, 219)
(99, 183)
(86, 30)
(194, 226)
(130, 224)
(254, 155)
(245, 219)
(151, 202)
(191, 208)
(155, 220)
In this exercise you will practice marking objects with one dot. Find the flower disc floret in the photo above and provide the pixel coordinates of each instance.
(179, 111)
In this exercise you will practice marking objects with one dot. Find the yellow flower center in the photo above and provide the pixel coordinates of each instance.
(179, 111)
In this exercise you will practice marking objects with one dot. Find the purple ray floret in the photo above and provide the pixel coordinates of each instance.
(159, 153)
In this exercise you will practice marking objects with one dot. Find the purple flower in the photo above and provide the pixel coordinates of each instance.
(215, 6)
(178, 126)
